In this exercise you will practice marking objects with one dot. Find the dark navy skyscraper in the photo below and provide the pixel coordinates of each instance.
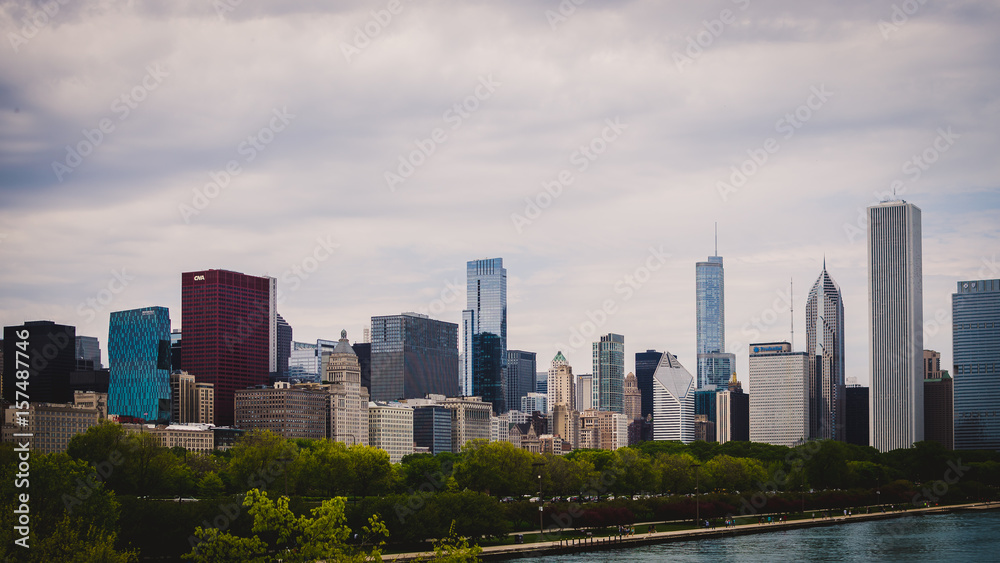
(645, 367)
(484, 332)
(413, 355)
(139, 359)
(976, 345)
(715, 366)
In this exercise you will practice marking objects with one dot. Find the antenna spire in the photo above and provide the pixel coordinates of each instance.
(716, 238)
(791, 305)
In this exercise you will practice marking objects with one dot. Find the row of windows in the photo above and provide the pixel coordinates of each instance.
(976, 369)
(973, 326)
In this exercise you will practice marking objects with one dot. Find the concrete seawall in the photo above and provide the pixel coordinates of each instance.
(577, 545)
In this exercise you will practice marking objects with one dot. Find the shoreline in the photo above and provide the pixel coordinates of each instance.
(578, 545)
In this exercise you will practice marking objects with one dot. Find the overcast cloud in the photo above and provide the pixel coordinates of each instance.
(312, 115)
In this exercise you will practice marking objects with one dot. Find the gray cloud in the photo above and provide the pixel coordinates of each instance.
(655, 185)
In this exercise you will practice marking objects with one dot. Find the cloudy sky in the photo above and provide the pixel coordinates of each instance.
(362, 153)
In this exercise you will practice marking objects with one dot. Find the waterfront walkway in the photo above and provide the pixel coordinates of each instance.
(578, 544)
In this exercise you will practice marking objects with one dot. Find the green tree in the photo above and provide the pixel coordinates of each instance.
(325, 468)
(72, 543)
(321, 536)
(370, 468)
(455, 549)
(68, 502)
(104, 445)
(497, 468)
(210, 485)
(260, 460)
(675, 472)
(633, 470)
(564, 476)
(827, 467)
(729, 473)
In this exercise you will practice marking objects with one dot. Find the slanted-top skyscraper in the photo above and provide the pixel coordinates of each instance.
(484, 332)
(895, 325)
(715, 366)
(825, 349)
(230, 325)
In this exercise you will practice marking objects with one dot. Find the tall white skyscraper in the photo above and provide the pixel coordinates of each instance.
(673, 401)
(562, 384)
(895, 325)
(825, 349)
(584, 392)
(779, 394)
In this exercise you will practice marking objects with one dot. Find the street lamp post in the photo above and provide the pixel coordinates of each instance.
(541, 502)
(697, 492)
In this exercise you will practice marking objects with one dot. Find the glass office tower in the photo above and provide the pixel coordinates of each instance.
(484, 332)
(230, 324)
(521, 373)
(609, 373)
(51, 350)
(645, 366)
(139, 360)
(715, 366)
(976, 346)
(413, 355)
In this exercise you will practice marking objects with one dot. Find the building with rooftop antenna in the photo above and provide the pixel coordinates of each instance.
(825, 350)
(714, 364)
(895, 325)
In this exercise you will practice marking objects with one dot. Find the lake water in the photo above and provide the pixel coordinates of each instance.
(943, 537)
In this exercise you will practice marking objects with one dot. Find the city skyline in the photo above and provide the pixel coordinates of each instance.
(888, 112)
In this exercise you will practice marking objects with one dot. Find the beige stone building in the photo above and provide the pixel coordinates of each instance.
(349, 406)
(49, 426)
(561, 383)
(632, 398)
(190, 401)
(92, 400)
(192, 437)
(566, 424)
(470, 420)
(603, 430)
(390, 428)
(291, 411)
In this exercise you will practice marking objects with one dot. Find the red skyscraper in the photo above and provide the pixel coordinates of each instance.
(228, 323)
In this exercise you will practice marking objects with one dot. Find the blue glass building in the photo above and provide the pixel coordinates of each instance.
(432, 428)
(715, 366)
(139, 358)
(976, 347)
(484, 332)
(521, 376)
(704, 403)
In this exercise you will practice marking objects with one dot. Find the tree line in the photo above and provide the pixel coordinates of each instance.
(102, 498)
